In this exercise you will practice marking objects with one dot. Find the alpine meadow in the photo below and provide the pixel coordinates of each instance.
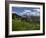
(25, 18)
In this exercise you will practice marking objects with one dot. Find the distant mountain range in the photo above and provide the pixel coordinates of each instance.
(28, 13)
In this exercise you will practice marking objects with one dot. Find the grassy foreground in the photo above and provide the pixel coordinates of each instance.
(21, 25)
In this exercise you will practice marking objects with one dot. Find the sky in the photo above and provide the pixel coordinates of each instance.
(23, 10)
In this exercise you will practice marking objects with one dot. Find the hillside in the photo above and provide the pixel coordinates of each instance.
(20, 24)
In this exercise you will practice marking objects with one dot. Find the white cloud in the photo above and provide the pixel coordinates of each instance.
(37, 10)
(33, 13)
(15, 12)
(26, 12)
(29, 13)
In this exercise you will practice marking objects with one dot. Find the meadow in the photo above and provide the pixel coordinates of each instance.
(23, 25)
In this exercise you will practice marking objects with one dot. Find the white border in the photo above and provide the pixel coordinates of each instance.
(25, 32)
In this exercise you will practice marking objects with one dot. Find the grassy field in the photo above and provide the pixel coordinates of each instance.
(21, 25)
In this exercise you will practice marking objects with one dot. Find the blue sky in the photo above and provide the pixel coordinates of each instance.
(21, 10)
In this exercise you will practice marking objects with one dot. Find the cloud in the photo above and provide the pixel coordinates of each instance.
(15, 12)
(26, 12)
(29, 13)
(38, 10)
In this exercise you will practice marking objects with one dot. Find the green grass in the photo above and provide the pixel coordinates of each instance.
(21, 25)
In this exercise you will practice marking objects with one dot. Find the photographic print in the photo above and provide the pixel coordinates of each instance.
(25, 19)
